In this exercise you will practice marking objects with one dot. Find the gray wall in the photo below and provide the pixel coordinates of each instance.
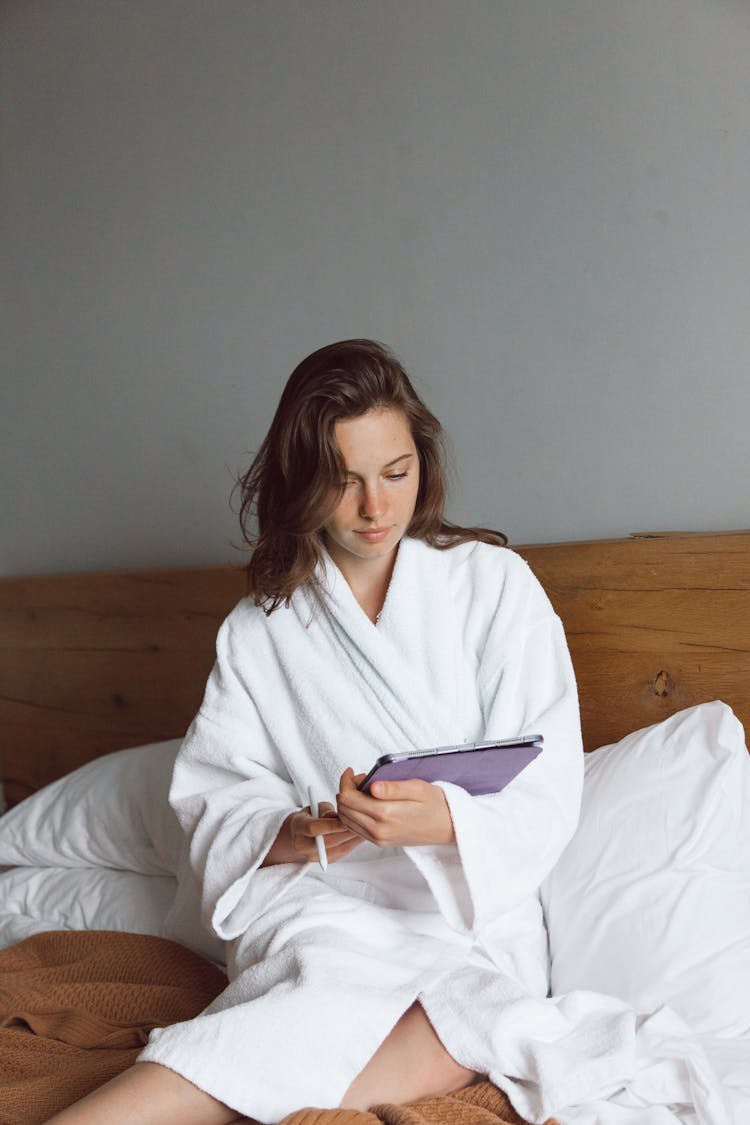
(541, 204)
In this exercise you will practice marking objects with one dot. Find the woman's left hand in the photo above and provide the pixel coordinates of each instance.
(395, 813)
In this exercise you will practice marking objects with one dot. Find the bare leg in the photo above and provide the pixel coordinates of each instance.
(410, 1063)
(147, 1094)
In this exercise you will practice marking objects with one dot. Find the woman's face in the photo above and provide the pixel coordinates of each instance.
(382, 480)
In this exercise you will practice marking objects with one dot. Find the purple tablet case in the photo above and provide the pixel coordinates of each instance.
(484, 767)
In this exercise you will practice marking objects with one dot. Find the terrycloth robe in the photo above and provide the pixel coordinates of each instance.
(322, 965)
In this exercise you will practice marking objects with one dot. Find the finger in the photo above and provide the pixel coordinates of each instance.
(306, 828)
(359, 810)
(351, 796)
(350, 781)
(353, 810)
(298, 822)
(359, 822)
(346, 781)
(300, 834)
(336, 854)
(323, 826)
(336, 846)
(343, 837)
(412, 790)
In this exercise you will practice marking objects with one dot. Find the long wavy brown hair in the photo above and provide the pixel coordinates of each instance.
(295, 480)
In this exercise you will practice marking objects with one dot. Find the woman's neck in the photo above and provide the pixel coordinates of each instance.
(368, 580)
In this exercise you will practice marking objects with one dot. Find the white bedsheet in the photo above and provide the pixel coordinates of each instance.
(37, 899)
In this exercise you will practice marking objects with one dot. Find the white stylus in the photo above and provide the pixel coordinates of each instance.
(322, 857)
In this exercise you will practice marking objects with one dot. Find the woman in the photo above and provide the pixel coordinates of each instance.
(372, 625)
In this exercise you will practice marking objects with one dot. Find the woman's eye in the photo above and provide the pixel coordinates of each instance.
(396, 476)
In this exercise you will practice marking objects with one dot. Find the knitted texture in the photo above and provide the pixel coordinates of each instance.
(479, 1104)
(77, 1007)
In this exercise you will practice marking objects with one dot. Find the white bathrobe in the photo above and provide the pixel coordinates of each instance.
(322, 965)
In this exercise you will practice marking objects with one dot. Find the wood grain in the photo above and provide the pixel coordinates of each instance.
(654, 624)
(91, 663)
(96, 662)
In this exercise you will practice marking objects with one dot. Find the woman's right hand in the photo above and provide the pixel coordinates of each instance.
(296, 839)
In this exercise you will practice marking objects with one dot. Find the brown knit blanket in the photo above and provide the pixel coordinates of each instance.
(481, 1104)
(76, 1008)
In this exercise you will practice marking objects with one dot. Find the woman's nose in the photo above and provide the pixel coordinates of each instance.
(371, 504)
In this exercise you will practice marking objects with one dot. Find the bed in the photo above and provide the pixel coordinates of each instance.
(650, 903)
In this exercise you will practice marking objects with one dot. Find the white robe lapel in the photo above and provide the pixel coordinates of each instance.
(410, 660)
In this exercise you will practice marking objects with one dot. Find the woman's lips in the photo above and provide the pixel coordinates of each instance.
(373, 534)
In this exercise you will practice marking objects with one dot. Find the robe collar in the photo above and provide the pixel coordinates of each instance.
(409, 657)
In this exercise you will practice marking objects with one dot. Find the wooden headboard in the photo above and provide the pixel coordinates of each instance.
(654, 623)
(95, 662)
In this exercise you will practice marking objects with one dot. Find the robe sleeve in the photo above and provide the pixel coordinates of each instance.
(507, 842)
(231, 794)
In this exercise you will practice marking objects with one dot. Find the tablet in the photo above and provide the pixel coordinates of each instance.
(478, 767)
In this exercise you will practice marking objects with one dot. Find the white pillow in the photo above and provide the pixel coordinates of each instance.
(112, 812)
(650, 901)
(84, 898)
